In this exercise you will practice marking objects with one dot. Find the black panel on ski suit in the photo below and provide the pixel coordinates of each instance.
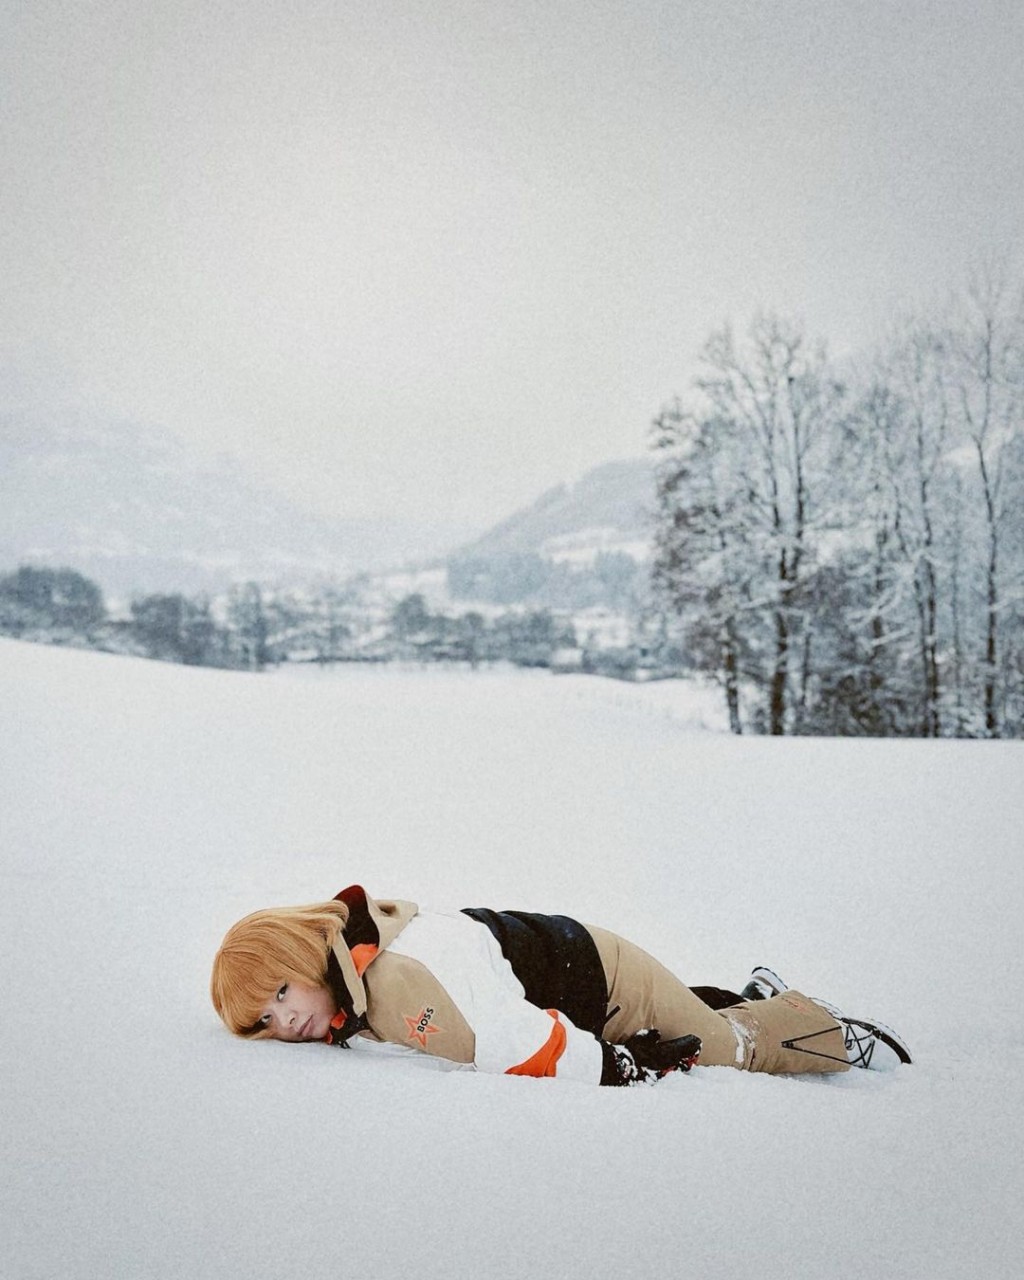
(555, 959)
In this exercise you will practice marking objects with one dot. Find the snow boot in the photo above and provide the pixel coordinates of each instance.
(870, 1045)
(764, 983)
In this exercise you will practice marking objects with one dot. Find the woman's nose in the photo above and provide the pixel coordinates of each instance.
(285, 1018)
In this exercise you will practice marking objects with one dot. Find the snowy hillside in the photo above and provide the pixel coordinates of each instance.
(145, 807)
(606, 510)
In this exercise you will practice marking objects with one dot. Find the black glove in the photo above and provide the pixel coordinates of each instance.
(645, 1058)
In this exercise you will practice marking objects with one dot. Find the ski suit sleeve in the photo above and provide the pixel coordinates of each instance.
(511, 1035)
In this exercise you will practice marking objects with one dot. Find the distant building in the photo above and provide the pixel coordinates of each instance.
(567, 660)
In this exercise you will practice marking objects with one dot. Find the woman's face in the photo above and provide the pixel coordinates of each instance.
(298, 1012)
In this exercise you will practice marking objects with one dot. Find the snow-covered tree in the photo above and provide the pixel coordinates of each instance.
(850, 558)
(36, 601)
(743, 497)
(987, 376)
(702, 564)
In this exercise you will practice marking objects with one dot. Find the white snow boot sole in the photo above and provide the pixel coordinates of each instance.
(870, 1045)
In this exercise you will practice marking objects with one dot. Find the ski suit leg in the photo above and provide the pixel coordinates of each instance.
(788, 1033)
(649, 995)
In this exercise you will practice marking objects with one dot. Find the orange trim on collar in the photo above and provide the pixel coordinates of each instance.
(362, 954)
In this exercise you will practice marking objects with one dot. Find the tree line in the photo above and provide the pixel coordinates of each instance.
(843, 547)
(613, 579)
(62, 606)
(251, 627)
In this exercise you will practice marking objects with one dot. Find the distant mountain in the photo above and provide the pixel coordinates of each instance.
(578, 547)
(134, 510)
(608, 509)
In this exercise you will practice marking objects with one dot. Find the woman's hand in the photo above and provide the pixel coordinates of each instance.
(645, 1058)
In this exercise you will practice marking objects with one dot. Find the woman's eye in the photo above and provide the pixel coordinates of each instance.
(264, 1021)
(283, 992)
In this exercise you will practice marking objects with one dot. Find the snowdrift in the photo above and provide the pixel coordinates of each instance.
(146, 807)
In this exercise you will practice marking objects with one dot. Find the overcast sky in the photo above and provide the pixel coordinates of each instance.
(430, 258)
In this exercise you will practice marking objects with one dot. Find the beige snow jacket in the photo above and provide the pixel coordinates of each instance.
(389, 997)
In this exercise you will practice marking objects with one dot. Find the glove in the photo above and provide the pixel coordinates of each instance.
(645, 1058)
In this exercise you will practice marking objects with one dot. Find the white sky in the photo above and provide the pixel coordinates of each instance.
(427, 259)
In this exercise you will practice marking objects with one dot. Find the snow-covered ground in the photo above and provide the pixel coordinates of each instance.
(145, 807)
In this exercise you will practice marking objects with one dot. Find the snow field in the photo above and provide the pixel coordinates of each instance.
(146, 807)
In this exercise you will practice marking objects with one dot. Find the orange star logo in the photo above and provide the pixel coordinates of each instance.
(421, 1026)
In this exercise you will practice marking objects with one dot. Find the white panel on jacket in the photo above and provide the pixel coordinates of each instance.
(466, 959)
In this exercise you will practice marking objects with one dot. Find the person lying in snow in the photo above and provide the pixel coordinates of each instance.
(516, 992)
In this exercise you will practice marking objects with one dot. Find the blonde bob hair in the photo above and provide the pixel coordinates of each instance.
(266, 950)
